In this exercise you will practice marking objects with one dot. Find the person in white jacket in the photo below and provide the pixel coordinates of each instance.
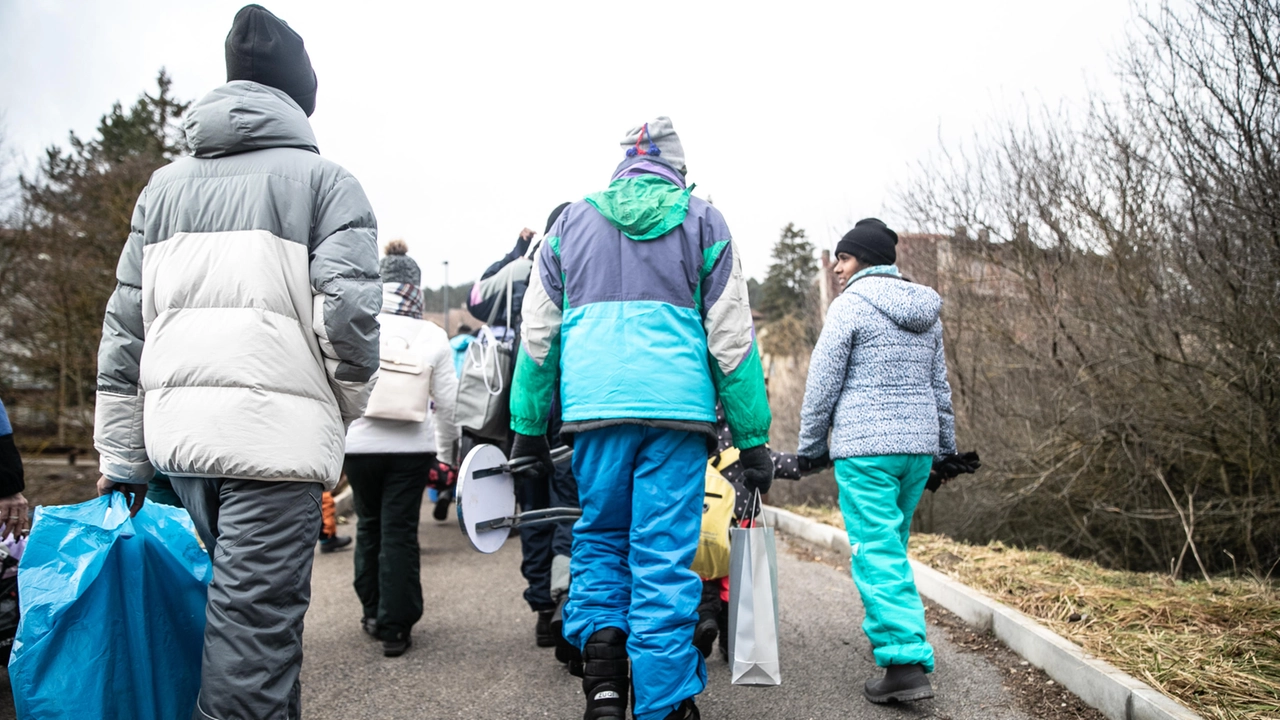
(241, 338)
(390, 461)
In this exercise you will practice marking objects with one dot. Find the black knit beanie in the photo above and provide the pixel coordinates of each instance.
(263, 48)
(871, 242)
(555, 215)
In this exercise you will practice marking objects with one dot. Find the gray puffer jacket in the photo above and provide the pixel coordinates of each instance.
(878, 376)
(243, 331)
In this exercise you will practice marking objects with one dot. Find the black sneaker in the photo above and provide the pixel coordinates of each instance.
(333, 543)
(901, 683)
(542, 631)
(686, 711)
(396, 645)
(441, 510)
(370, 627)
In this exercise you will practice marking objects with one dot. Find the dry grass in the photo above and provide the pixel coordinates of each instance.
(1215, 647)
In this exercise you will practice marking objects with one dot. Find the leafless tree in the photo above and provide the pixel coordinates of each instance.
(1114, 332)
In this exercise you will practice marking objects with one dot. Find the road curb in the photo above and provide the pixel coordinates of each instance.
(1115, 693)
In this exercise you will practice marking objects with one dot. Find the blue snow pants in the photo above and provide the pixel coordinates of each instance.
(878, 496)
(641, 490)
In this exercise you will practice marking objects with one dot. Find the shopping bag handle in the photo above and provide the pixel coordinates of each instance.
(757, 518)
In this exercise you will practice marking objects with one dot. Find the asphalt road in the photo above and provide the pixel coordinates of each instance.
(474, 655)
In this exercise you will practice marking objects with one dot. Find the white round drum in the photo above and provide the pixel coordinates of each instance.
(485, 492)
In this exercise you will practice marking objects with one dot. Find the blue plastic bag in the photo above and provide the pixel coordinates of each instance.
(113, 613)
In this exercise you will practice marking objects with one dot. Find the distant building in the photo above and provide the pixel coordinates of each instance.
(946, 263)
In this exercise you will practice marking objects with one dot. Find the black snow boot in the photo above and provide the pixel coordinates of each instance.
(605, 679)
(686, 711)
(542, 631)
(722, 622)
(901, 683)
(705, 632)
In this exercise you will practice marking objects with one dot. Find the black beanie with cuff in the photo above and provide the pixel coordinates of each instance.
(263, 48)
(554, 216)
(871, 242)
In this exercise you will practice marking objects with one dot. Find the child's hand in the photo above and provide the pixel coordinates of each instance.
(808, 466)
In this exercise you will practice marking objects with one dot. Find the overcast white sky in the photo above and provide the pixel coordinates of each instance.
(466, 121)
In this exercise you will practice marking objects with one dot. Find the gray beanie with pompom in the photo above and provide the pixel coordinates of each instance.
(397, 266)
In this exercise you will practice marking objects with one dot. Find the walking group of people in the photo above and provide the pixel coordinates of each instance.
(256, 347)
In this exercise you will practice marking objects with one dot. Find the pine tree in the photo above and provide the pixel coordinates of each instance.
(73, 219)
(789, 284)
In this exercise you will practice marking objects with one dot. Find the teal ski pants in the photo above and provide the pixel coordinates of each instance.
(878, 495)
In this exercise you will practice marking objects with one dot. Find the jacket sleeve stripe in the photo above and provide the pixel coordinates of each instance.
(538, 361)
(730, 333)
(735, 368)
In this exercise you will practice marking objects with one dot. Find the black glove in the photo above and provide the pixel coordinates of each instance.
(949, 466)
(757, 468)
(935, 479)
(809, 466)
(536, 447)
(953, 465)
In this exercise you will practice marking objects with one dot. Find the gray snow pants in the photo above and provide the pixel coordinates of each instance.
(261, 536)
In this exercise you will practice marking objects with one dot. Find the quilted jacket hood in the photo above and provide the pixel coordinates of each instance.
(242, 116)
(912, 307)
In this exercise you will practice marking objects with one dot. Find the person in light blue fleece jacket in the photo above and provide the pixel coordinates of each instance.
(878, 385)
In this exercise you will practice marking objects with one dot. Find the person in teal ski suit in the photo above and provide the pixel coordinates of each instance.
(637, 310)
(878, 383)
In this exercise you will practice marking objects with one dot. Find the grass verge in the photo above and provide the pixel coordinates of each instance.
(1213, 646)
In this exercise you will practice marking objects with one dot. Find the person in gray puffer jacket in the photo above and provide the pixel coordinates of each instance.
(878, 384)
(241, 339)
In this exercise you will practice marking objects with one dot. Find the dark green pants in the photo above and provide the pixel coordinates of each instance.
(387, 492)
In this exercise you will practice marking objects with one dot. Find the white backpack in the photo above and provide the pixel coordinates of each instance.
(403, 390)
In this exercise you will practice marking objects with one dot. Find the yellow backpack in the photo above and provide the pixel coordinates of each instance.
(712, 559)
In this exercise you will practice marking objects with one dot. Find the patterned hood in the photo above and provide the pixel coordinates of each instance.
(912, 307)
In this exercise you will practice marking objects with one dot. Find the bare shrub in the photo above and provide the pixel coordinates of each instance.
(1114, 334)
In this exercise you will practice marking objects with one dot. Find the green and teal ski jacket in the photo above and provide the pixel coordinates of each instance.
(637, 308)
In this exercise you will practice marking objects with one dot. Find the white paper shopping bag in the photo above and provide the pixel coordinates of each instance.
(753, 606)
